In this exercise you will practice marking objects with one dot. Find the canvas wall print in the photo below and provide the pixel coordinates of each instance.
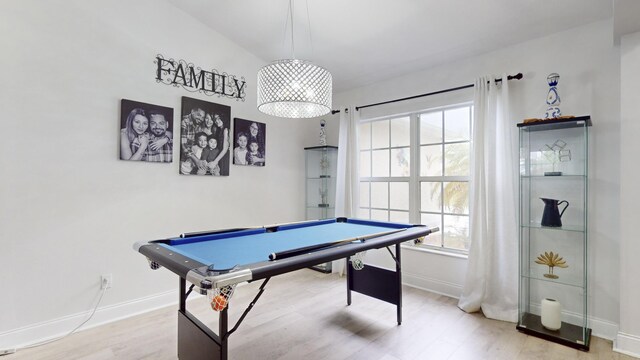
(204, 138)
(146, 132)
(249, 139)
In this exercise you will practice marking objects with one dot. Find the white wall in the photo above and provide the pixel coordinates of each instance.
(588, 64)
(69, 209)
(628, 339)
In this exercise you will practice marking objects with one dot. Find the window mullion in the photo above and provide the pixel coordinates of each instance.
(370, 169)
(368, 181)
(442, 194)
(414, 170)
(389, 167)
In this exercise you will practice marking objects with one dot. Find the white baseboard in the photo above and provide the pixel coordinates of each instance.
(601, 328)
(432, 285)
(51, 329)
(627, 344)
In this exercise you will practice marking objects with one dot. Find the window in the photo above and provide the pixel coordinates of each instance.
(385, 164)
(433, 189)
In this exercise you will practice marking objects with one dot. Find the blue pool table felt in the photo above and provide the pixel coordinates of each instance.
(251, 246)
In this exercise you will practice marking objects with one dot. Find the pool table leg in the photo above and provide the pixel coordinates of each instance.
(399, 281)
(196, 341)
(379, 283)
(183, 298)
(222, 333)
(347, 265)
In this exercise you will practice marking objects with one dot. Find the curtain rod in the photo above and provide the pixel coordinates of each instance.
(517, 76)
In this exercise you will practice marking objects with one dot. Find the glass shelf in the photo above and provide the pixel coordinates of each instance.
(561, 280)
(547, 177)
(551, 124)
(576, 228)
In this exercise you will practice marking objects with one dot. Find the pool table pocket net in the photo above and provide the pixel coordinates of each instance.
(357, 260)
(219, 297)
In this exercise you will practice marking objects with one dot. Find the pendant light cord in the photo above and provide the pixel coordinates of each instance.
(309, 23)
(284, 30)
(293, 47)
(288, 19)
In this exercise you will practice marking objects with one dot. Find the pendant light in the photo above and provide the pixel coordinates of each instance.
(294, 88)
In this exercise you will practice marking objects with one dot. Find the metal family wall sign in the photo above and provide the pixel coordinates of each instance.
(195, 79)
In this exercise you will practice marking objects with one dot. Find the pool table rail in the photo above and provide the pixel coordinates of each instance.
(267, 269)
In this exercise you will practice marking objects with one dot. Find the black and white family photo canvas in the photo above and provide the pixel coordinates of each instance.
(146, 132)
(249, 139)
(204, 138)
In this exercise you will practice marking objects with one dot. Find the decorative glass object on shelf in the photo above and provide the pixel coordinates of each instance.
(553, 242)
(323, 136)
(320, 186)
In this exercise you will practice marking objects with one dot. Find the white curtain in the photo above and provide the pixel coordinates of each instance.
(348, 155)
(491, 282)
(347, 184)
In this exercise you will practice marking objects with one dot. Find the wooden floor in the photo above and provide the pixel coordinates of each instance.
(303, 315)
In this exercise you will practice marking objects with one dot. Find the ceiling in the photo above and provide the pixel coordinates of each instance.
(366, 41)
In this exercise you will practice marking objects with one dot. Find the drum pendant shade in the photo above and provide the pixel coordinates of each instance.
(294, 88)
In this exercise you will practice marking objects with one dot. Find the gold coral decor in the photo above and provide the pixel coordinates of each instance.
(551, 260)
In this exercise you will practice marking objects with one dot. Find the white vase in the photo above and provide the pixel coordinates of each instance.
(553, 97)
(550, 314)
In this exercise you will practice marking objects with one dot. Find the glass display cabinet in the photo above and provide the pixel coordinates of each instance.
(552, 293)
(320, 188)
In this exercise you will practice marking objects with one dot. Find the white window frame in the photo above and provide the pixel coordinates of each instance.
(414, 179)
(387, 179)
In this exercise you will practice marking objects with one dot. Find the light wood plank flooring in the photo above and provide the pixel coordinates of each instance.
(303, 315)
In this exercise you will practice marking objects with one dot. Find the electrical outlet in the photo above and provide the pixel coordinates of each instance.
(106, 281)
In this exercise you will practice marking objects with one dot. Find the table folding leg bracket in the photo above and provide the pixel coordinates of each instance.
(382, 284)
(196, 341)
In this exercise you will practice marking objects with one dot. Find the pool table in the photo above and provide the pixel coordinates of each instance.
(220, 259)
